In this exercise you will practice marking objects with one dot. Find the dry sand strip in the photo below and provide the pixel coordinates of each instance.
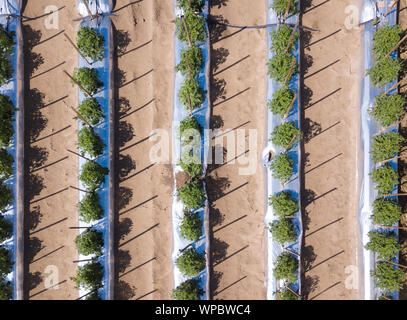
(50, 129)
(144, 37)
(238, 98)
(331, 63)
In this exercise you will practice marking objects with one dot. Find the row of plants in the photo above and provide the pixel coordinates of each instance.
(191, 31)
(7, 139)
(92, 175)
(386, 111)
(281, 68)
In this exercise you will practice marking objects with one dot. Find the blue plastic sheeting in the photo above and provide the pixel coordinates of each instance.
(103, 26)
(369, 128)
(11, 90)
(274, 249)
(202, 115)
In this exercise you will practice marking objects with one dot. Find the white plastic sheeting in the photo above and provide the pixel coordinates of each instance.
(95, 6)
(274, 249)
(202, 115)
(369, 128)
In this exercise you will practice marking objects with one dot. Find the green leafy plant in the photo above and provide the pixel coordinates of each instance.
(280, 6)
(6, 264)
(189, 130)
(6, 196)
(280, 39)
(90, 43)
(191, 164)
(89, 242)
(195, 25)
(283, 231)
(385, 245)
(192, 194)
(92, 112)
(7, 111)
(6, 165)
(6, 229)
(6, 70)
(90, 208)
(282, 167)
(283, 135)
(89, 276)
(194, 5)
(6, 289)
(191, 226)
(89, 142)
(6, 42)
(190, 263)
(283, 204)
(286, 267)
(88, 79)
(388, 108)
(279, 67)
(191, 92)
(285, 294)
(385, 39)
(385, 178)
(93, 175)
(281, 101)
(386, 212)
(387, 277)
(188, 290)
(384, 71)
(385, 145)
(93, 296)
(195, 61)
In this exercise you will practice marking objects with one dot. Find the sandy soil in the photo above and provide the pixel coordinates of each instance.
(331, 98)
(238, 95)
(50, 169)
(145, 72)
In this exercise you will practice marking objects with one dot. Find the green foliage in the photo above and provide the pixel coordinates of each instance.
(6, 42)
(191, 92)
(6, 165)
(195, 61)
(385, 245)
(6, 196)
(280, 6)
(89, 242)
(286, 268)
(92, 112)
(191, 263)
(191, 164)
(195, 25)
(387, 277)
(192, 194)
(283, 134)
(6, 289)
(386, 212)
(93, 296)
(194, 5)
(283, 231)
(384, 71)
(281, 101)
(89, 276)
(6, 229)
(6, 70)
(88, 78)
(282, 167)
(285, 294)
(6, 264)
(90, 208)
(385, 39)
(279, 66)
(388, 108)
(283, 204)
(7, 111)
(188, 290)
(186, 130)
(90, 43)
(281, 37)
(385, 145)
(191, 226)
(93, 175)
(89, 142)
(385, 178)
